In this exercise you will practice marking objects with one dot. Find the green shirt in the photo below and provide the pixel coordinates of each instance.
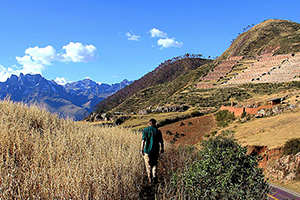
(153, 137)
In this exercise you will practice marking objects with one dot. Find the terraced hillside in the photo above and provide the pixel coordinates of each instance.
(267, 53)
(264, 69)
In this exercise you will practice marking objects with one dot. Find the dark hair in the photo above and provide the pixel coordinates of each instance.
(152, 121)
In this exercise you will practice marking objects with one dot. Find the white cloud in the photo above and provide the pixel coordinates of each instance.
(3, 74)
(62, 80)
(42, 55)
(36, 59)
(168, 42)
(157, 33)
(164, 41)
(132, 36)
(77, 52)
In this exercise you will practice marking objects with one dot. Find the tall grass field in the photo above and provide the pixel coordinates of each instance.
(45, 157)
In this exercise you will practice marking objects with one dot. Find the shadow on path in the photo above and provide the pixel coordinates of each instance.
(148, 192)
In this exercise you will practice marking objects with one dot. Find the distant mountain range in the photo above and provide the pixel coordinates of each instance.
(75, 99)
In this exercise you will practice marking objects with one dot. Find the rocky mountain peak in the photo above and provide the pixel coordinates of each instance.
(73, 99)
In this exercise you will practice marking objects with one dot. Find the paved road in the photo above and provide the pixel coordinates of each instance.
(278, 193)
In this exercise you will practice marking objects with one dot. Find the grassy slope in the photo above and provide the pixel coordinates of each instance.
(160, 94)
(155, 83)
(272, 131)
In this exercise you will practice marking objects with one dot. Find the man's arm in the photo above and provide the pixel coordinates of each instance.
(142, 147)
(161, 143)
(162, 147)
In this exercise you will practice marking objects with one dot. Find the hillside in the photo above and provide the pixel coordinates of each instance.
(163, 74)
(270, 36)
(255, 56)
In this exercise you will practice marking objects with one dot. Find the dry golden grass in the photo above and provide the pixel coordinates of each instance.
(45, 157)
(272, 131)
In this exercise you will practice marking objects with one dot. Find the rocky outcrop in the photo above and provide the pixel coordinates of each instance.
(267, 112)
(285, 169)
(260, 111)
(164, 109)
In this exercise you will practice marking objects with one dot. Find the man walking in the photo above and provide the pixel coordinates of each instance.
(150, 147)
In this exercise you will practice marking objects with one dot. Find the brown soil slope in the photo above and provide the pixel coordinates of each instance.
(192, 129)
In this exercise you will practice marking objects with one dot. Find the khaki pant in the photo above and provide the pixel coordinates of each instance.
(151, 165)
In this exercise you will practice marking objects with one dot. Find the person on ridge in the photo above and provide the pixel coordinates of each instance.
(150, 147)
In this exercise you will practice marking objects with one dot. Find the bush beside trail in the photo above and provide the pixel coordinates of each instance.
(221, 170)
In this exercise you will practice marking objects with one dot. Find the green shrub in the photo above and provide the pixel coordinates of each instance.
(224, 117)
(222, 124)
(214, 133)
(222, 171)
(292, 146)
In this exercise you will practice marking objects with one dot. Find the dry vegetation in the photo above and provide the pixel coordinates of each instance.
(45, 157)
(272, 131)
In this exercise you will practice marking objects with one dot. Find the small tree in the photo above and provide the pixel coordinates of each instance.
(224, 117)
(244, 114)
(223, 171)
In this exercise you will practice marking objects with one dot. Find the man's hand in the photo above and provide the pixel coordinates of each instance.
(142, 153)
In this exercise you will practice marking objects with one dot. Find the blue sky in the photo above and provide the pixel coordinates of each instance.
(109, 41)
